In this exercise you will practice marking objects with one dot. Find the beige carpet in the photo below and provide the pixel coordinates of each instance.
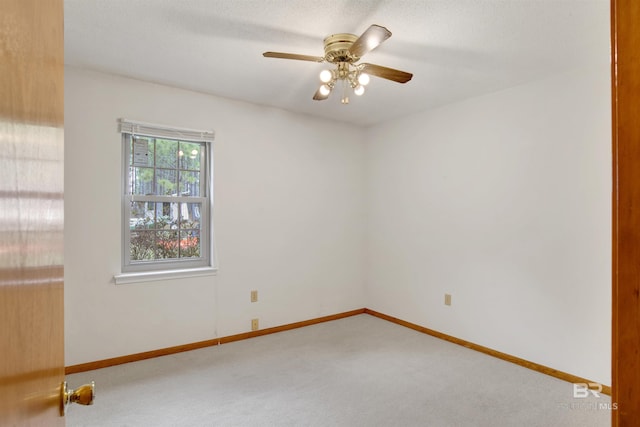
(358, 371)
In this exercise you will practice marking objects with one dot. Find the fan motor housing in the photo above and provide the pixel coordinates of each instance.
(336, 48)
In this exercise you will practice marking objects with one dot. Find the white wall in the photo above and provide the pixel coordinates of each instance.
(289, 209)
(502, 201)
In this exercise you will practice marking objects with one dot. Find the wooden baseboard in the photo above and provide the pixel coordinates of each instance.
(506, 357)
(83, 367)
(245, 335)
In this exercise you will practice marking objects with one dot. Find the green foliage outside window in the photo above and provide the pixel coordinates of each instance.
(165, 230)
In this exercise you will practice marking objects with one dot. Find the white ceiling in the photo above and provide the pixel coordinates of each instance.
(455, 48)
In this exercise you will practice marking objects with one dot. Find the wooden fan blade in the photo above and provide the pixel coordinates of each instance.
(319, 96)
(283, 55)
(369, 40)
(386, 73)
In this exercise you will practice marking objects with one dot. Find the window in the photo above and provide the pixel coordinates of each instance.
(167, 201)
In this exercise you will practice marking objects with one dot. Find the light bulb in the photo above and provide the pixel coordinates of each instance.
(359, 90)
(325, 76)
(363, 79)
(325, 90)
(194, 152)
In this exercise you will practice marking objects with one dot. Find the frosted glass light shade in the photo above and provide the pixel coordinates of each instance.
(325, 76)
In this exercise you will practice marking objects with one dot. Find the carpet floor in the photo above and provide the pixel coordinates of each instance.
(357, 371)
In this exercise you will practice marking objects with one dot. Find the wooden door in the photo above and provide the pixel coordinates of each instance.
(31, 212)
(625, 357)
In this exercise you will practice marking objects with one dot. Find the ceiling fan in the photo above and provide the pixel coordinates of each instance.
(345, 50)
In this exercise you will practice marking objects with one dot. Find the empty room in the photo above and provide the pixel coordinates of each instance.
(338, 213)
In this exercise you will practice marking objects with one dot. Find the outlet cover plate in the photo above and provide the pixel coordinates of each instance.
(447, 299)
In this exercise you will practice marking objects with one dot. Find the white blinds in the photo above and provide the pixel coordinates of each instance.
(159, 131)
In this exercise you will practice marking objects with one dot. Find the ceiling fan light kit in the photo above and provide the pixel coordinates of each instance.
(344, 51)
(351, 75)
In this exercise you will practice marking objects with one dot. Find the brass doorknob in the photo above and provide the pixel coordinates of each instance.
(83, 395)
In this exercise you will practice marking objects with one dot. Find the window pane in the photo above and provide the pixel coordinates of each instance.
(190, 244)
(189, 183)
(141, 151)
(167, 244)
(166, 182)
(166, 153)
(141, 215)
(141, 180)
(190, 216)
(166, 216)
(142, 245)
(190, 155)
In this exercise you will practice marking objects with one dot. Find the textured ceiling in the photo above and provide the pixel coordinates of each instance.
(455, 48)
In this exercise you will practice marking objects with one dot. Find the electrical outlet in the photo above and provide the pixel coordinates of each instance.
(447, 299)
(254, 296)
(254, 324)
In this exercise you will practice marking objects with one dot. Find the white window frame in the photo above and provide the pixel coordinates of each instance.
(173, 268)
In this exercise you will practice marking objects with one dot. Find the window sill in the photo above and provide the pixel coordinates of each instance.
(148, 276)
